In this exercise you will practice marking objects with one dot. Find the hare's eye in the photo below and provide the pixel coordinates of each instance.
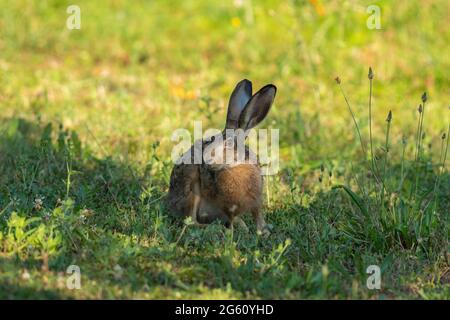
(213, 138)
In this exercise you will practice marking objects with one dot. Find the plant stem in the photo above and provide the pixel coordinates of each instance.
(370, 126)
(386, 146)
(419, 147)
(402, 174)
(442, 159)
(354, 119)
(69, 175)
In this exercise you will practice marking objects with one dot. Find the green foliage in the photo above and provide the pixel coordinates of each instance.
(26, 241)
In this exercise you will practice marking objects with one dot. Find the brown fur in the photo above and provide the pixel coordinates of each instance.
(215, 189)
(181, 191)
(223, 194)
(239, 186)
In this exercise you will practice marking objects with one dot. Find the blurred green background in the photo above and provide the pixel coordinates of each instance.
(135, 72)
(138, 70)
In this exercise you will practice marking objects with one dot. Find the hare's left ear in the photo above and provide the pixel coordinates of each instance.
(258, 107)
(239, 98)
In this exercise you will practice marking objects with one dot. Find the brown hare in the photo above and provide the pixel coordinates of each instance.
(213, 188)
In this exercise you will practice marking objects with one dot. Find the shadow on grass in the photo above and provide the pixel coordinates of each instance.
(14, 291)
(38, 161)
(115, 229)
(110, 211)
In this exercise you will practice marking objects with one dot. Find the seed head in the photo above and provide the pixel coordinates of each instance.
(443, 136)
(322, 168)
(420, 108)
(389, 117)
(338, 80)
(404, 140)
(370, 75)
(424, 97)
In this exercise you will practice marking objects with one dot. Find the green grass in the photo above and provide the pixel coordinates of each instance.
(85, 127)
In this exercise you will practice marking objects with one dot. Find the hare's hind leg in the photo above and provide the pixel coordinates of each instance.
(202, 211)
(241, 223)
(208, 212)
(261, 225)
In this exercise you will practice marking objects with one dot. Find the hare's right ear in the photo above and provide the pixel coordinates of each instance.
(239, 98)
(257, 108)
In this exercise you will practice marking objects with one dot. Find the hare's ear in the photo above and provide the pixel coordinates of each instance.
(239, 98)
(258, 107)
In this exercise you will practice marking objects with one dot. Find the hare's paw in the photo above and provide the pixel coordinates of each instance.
(264, 230)
(239, 222)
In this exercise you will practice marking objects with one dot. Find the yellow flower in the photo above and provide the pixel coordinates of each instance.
(190, 95)
(320, 10)
(235, 22)
(179, 92)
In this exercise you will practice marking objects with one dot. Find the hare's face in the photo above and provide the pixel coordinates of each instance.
(227, 150)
